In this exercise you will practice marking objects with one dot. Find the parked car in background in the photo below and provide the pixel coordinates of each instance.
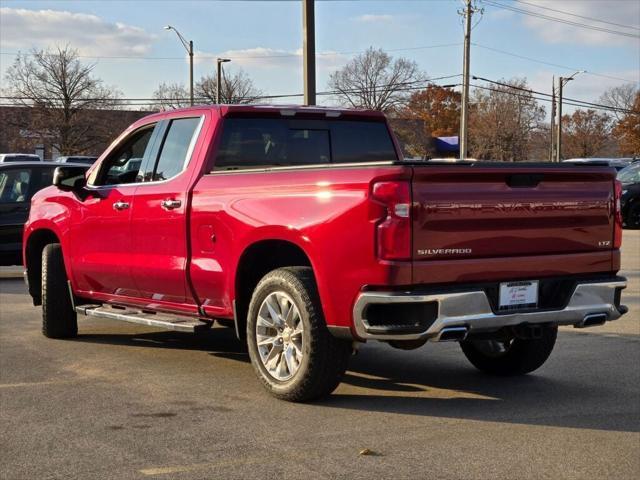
(629, 177)
(19, 157)
(617, 163)
(306, 229)
(84, 159)
(18, 182)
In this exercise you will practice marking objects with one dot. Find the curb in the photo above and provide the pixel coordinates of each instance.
(11, 272)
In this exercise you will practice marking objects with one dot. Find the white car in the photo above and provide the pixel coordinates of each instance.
(19, 157)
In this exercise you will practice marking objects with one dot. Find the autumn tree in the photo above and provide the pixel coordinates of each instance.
(235, 88)
(432, 112)
(64, 95)
(503, 120)
(585, 133)
(376, 81)
(627, 130)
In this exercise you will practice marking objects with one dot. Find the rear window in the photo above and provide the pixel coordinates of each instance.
(21, 158)
(276, 142)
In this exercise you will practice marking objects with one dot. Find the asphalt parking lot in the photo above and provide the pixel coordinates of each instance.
(129, 402)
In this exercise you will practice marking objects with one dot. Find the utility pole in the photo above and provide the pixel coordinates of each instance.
(219, 62)
(309, 51)
(552, 132)
(464, 117)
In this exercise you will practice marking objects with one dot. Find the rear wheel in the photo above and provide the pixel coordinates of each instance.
(291, 349)
(516, 356)
(59, 319)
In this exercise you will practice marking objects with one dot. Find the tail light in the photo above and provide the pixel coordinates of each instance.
(394, 231)
(617, 227)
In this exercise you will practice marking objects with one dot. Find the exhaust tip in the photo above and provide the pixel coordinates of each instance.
(452, 334)
(592, 320)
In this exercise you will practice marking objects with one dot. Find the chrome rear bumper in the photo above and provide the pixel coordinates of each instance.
(472, 310)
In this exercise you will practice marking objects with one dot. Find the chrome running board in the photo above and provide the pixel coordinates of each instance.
(161, 320)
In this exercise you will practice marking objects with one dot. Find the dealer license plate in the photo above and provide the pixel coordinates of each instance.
(522, 294)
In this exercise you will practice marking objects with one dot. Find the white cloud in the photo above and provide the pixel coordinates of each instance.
(373, 18)
(620, 12)
(271, 58)
(91, 35)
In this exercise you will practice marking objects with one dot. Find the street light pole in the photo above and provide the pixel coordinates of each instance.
(191, 71)
(552, 129)
(188, 45)
(219, 62)
(561, 83)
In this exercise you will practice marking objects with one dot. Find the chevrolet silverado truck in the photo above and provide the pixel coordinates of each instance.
(305, 229)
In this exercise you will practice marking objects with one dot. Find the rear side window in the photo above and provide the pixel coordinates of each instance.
(15, 186)
(275, 142)
(176, 148)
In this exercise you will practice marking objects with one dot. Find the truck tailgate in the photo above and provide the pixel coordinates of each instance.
(472, 212)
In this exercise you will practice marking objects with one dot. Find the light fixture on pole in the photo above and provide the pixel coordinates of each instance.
(561, 83)
(188, 45)
(219, 63)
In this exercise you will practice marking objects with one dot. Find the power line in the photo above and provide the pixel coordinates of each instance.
(504, 52)
(560, 20)
(407, 87)
(141, 101)
(579, 16)
(582, 102)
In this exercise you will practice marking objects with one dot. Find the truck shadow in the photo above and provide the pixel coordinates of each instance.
(219, 342)
(581, 385)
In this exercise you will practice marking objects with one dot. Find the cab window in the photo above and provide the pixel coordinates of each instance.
(124, 164)
(176, 147)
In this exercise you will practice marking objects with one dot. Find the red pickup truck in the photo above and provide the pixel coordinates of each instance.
(305, 229)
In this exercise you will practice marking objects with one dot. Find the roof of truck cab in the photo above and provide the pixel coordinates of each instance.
(279, 110)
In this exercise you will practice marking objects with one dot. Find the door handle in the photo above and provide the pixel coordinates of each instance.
(120, 205)
(170, 204)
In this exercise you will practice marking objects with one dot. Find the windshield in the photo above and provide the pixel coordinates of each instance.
(631, 174)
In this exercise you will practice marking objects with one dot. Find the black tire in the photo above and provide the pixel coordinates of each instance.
(325, 357)
(59, 320)
(521, 356)
(632, 220)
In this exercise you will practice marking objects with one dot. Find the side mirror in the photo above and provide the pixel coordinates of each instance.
(70, 179)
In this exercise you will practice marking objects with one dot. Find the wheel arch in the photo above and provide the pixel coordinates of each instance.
(35, 244)
(256, 260)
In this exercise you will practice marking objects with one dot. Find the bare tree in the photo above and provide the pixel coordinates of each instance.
(620, 97)
(169, 96)
(235, 88)
(376, 81)
(64, 96)
(503, 121)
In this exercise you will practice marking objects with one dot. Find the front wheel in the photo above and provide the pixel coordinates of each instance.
(516, 356)
(291, 349)
(59, 319)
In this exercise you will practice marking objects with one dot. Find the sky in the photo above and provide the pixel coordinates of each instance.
(264, 38)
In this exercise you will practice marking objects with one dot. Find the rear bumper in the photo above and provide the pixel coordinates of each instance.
(469, 312)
